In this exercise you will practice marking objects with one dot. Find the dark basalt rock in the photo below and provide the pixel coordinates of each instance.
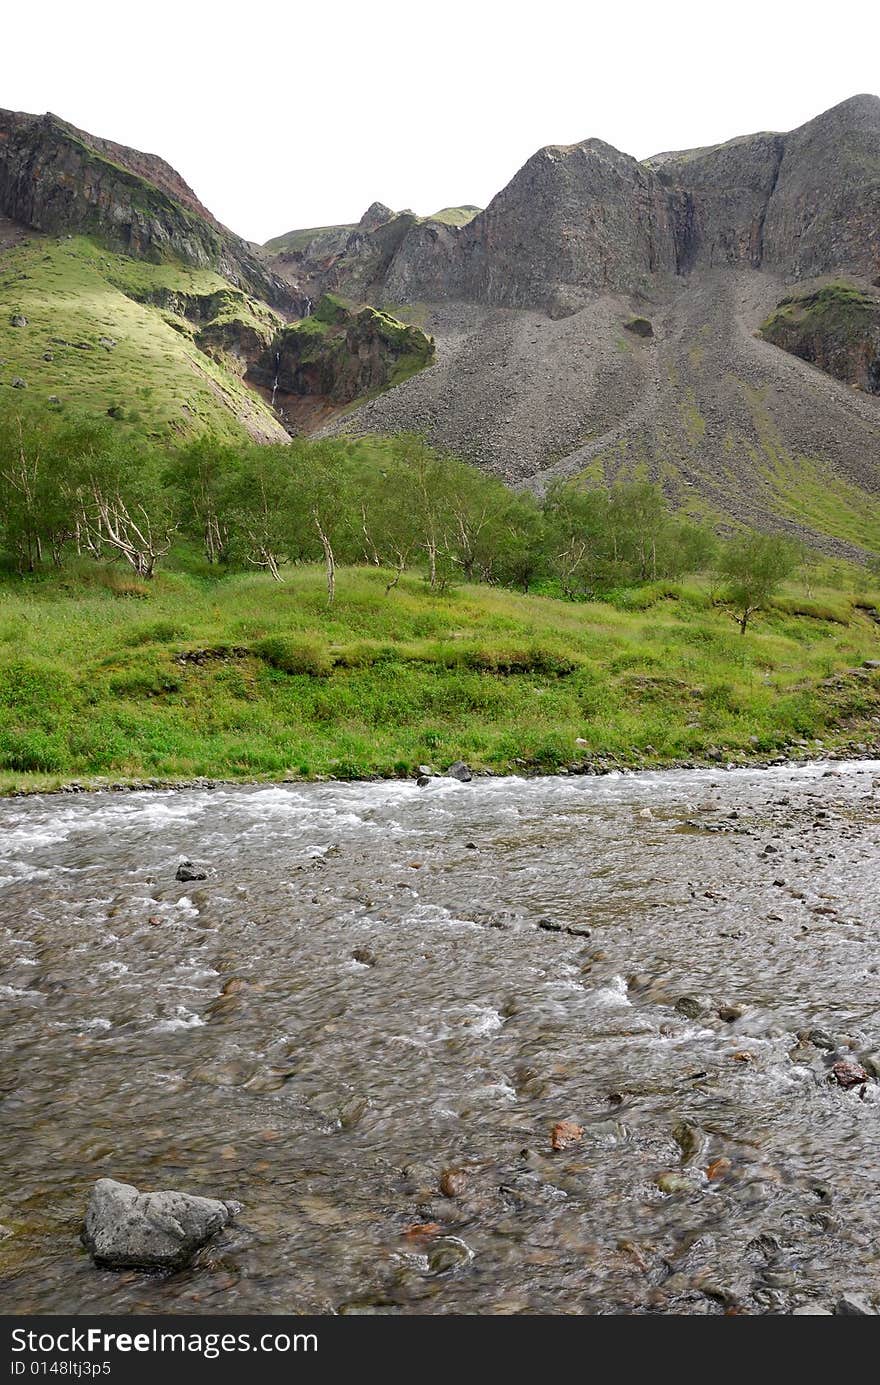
(460, 771)
(187, 872)
(585, 219)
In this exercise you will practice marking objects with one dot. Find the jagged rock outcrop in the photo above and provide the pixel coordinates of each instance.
(58, 179)
(824, 214)
(718, 200)
(835, 327)
(341, 353)
(574, 222)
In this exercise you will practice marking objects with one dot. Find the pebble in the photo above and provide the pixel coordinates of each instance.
(565, 1134)
(186, 872)
(671, 1182)
(453, 1182)
(848, 1074)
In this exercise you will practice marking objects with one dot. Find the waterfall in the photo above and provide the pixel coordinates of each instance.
(275, 381)
(308, 311)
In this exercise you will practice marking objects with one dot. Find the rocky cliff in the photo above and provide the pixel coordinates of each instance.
(61, 180)
(585, 219)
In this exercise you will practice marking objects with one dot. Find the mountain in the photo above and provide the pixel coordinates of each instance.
(356, 256)
(543, 372)
(120, 293)
(582, 219)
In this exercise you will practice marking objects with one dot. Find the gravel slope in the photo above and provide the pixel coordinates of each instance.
(719, 416)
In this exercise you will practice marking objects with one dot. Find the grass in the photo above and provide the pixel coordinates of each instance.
(455, 216)
(155, 378)
(293, 242)
(834, 308)
(102, 677)
(807, 490)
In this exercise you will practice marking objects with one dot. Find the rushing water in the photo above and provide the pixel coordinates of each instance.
(222, 1038)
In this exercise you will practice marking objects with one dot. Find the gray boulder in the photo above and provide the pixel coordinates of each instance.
(853, 1306)
(460, 771)
(125, 1229)
(187, 872)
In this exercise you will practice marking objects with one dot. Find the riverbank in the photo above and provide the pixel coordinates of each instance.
(106, 683)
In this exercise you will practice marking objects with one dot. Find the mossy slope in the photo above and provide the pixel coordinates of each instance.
(155, 344)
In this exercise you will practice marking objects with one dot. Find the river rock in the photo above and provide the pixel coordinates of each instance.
(565, 1134)
(453, 1182)
(848, 1074)
(671, 1182)
(18, 320)
(871, 1063)
(731, 1013)
(125, 1229)
(460, 771)
(693, 1007)
(853, 1306)
(186, 872)
(691, 1140)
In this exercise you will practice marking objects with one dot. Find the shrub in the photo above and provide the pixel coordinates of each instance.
(294, 655)
(157, 632)
(31, 752)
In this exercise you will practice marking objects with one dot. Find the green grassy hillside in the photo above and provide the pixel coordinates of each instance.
(109, 334)
(103, 677)
(455, 216)
(293, 242)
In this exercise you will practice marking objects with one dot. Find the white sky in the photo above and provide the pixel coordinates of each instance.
(301, 114)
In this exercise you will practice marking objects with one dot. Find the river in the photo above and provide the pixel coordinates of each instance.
(367, 1021)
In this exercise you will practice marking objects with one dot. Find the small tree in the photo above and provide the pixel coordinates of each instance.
(325, 507)
(200, 474)
(254, 507)
(755, 566)
(36, 510)
(122, 506)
